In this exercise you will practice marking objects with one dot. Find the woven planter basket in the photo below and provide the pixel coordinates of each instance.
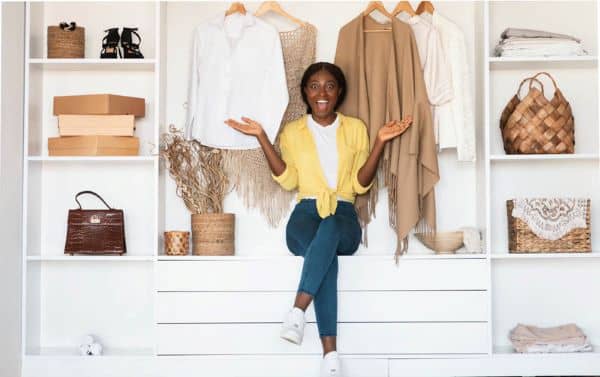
(177, 243)
(213, 234)
(522, 240)
(65, 43)
(536, 125)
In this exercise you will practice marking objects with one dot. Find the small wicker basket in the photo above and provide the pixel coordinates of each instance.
(66, 43)
(213, 234)
(522, 240)
(177, 243)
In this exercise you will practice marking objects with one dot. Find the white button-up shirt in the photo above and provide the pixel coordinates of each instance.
(237, 70)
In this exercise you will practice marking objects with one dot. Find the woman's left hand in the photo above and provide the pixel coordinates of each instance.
(392, 129)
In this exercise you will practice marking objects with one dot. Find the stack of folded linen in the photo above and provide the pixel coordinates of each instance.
(565, 338)
(528, 43)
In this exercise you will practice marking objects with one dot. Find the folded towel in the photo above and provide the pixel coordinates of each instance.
(565, 338)
(531, 33)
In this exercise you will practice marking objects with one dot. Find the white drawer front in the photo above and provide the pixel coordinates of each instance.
(353, 338)
(377, 306)
(355, 274)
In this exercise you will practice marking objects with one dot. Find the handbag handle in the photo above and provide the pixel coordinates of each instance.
(547, 74)
(531, 80)
(92, 193)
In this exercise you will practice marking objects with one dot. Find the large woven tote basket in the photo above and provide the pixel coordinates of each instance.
(536, 125)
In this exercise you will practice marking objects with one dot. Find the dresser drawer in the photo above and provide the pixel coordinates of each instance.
(356, 273)
(353, 338)
(377, 306)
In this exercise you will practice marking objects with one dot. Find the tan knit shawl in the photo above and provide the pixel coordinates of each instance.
(409, 165)
(248, 170)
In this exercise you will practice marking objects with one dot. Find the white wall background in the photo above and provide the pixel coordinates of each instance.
(253, 235)
(11, 141)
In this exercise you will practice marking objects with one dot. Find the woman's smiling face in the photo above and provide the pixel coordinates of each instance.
(322, 92)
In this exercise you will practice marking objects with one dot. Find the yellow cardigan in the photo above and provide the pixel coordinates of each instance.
(303, 170)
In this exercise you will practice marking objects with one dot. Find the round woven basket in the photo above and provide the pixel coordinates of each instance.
(442, 242)
(65, 43)
(213, 234)
(177, 243)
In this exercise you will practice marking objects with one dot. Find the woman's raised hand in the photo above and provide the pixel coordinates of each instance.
(250, 127)
(393, 128)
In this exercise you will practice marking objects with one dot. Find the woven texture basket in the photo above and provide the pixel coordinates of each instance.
(65, 43)
(177, 243)
(522, 240)
(536, 125)
(213, 234)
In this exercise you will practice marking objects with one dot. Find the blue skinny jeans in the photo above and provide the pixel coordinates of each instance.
(320, 241)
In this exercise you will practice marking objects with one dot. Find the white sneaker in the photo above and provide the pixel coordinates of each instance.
(292, 329)
(330, 366)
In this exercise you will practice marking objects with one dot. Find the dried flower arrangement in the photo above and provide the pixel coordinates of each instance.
(197, 171)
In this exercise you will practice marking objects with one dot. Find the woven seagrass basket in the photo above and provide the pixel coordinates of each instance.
(213, 234)
(177, 242)
(536, 125)
(522, 240)
(66, 43)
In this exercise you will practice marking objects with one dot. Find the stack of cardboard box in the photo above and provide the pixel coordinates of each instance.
(96, 125)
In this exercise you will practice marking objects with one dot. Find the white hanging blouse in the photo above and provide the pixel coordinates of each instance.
(436, 70)
(456, 117)
(237, 70)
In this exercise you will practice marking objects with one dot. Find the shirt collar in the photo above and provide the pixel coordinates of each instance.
(246, 19)
(304, 122)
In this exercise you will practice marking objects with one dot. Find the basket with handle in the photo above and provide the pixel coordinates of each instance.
(66, 41)
(536, 125)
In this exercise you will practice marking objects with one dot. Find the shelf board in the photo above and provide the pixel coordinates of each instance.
(509, 352)
(547, 59)
(594, 254)
(163, 257)
(89, 258)
(102, 64)
(93, 158)
(544, 157)
(74, 352)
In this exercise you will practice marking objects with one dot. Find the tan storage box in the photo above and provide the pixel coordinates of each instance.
(99, 104)
(93, 146)
(108, 125)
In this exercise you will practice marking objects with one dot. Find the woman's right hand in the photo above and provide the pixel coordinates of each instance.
(250, 127)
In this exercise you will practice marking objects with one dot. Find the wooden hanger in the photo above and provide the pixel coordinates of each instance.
(236, 8)
(403, 6)
(425, 6)
(273, 6)
(377, 6)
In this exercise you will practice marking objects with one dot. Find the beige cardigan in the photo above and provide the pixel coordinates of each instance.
(409, 166)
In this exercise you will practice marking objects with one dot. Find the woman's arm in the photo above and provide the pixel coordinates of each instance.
(389, 131)
(252, 128)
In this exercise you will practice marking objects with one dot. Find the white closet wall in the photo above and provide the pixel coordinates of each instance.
(11, 173)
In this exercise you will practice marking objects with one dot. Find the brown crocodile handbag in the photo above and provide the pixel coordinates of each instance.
(95, 231)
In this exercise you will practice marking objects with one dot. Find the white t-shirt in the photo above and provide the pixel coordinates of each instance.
(326, 143)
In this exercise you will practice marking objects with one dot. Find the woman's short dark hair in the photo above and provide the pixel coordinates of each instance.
(334, 70)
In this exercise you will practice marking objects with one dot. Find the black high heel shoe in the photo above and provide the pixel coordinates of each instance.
(131, 50)
(110, 44)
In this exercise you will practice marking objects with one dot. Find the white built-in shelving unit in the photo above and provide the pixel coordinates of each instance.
(160, 315)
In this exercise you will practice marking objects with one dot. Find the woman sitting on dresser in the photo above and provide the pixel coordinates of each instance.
(325, 155)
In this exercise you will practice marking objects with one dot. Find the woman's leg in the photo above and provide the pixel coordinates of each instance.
(300, 231)
(325, 300)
